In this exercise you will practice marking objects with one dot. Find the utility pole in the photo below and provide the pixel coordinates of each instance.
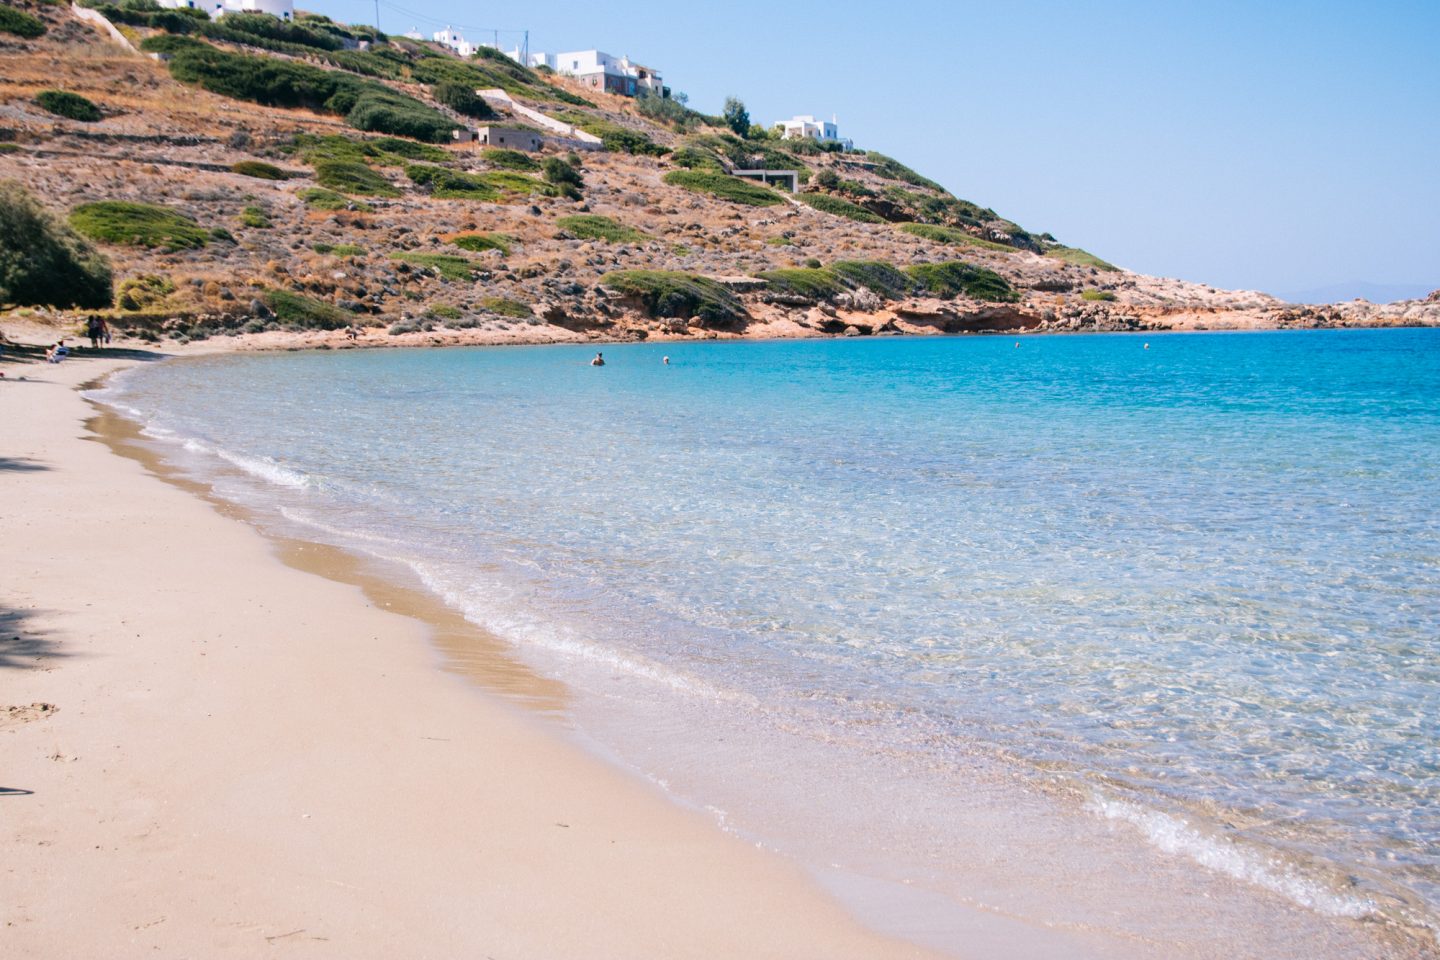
(525, 53)
(377, 16)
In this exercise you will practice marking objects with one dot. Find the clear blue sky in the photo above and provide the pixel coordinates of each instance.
(1280, 146)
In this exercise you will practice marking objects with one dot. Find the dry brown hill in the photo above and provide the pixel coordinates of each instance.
(451, 243)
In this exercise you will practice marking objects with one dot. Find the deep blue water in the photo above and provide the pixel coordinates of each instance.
(1200, 577)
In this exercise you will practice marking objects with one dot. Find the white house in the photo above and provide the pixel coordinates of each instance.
(597, 69)
(807, 127)
(451, 38)
(281, 9)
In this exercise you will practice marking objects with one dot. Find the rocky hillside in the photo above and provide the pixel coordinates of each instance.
(250, 176)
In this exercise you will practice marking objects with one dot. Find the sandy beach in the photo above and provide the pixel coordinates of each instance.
(205, 751)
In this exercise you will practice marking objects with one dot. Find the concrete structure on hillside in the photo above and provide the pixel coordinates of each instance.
(600, 71)
(808, 128)
(511, 138)
(280, 9)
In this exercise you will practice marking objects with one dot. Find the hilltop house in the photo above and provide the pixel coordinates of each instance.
(807, 127)
(597, 69)
(281, 9)
(450, 37)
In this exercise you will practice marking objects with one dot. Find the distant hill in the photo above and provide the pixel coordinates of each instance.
(248, 176)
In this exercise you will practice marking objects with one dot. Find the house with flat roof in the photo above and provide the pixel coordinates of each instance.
(600, 71)
(808, 128)
(280, 9)
(511, 138)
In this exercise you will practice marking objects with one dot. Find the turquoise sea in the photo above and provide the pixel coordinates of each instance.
(864, 600)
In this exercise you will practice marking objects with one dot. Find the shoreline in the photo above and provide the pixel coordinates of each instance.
(451, 645)
(236, 754)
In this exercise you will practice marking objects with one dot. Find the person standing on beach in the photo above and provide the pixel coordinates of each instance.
(95, 330)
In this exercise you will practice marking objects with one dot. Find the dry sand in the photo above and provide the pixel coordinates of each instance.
(207, 752)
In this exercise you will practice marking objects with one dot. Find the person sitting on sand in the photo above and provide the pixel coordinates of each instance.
(57, 353)
(599, 360)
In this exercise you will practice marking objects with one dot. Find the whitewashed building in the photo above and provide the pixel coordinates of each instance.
(600, 71)
(450, 37)
(808, 128)
(281, 9)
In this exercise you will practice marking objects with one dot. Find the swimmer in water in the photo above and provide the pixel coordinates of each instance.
(665, 360)
(599, 360)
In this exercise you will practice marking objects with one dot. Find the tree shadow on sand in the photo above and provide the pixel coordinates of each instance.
(21, 646)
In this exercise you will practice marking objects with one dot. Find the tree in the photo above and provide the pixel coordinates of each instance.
(43, 261)
(463, 99)
(737, 118)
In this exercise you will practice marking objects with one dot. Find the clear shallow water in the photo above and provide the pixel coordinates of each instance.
(1194, 588)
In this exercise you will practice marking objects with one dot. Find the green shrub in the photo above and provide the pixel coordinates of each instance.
(462, 99)
(251, 25)
(19, 23)
(726, 188)
(668, 293)
(780, 241)
(138, 224)
(259, 170)
(1097, 295)
(885, 279)
(344, 176)
(65, 104)
(448, 265)
(951, 235)
(827, 179)
(444, 311)
(590, 226)
(44, 262)
(815, 283)
(496, 187)
(322, 199)
(957, 278)
(615, 138)
(477, 242)
(306, 311)
(504, 307)
(143, 292)
(365, 104)
(513, 160)
(382, 151)
(1081, 258)
(564, 178)
(255, 217)
(840, 208)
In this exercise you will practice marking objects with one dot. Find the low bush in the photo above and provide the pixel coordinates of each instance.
(20, 23)
(143, 292)
(339, 249)
(462, 99)
(448, 265)
(479, 242)
(43, 261)
(1097, 295)
(306, 312)
(885, 279)
(838, 207)
(564, 178)
(255, 218)
(322, 199)
(62, 103)
(668, 293)
(951, 235)
(726, 188)
(957, 278)
(259, 169)
(892, 169)
(495, 187)
(505, 307)
(615, 138)
(513, 160)
(138, 225)
(590, 226)
(443, 311)
(1082, 258)
(816, 283)
(345, 176)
